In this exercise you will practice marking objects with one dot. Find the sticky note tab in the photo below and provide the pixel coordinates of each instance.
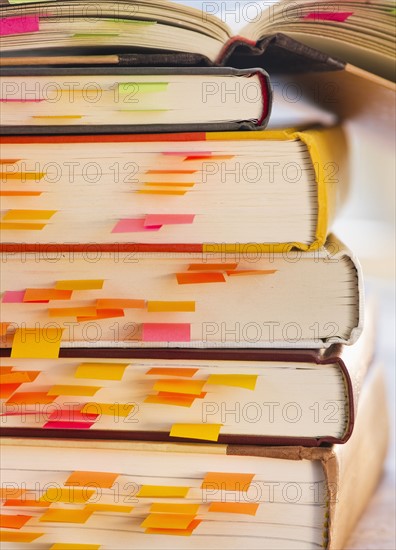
(171, 508)
(19, 536)
(104, 480)
(102, 314)
(13, 522)
(6, 390)
(80, 284)
(109, 508)
(120, 303)
(175, 532)
(25, 503)
(70, 495)
(162, 491)
(7, 492)
(101, 371)
(172, 371)
(15, 378)
(15, 226)
(46, 294)
(167, 521)
(199, 278)
(160, 192)
(170, 183)
(20, 193)
(72, 546)
(3, 328)
(133, 225)
(189, 387)
(64, 515)
(13, 296)
(340, 17)
(224, 481)
(133, 88)
(110, 409)
(158, 306)
(166, 332)
(207, 432)
(247, 381)
(28, 215)
(245, 272)
(31, 398)
(66, 389)
(167, 172)
(247, 508)
(72, 312)
(212, 267)
(155, 220)
(29, 176)
(32, 343)
(65, 425)
(19, 25)
(172, 399)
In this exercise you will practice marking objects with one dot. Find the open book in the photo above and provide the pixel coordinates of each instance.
(361, 33)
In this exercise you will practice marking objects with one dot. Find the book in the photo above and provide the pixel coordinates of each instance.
(257, 397)
(283, 188)
(152, 495)
(227, 33)
(97, 298)
(101, 100)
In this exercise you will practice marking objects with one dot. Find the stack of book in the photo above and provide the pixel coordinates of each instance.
(176, 315)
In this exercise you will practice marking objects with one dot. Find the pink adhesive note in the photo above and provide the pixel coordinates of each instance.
(72, 416)
(134, 225)
(166, 332)
(13, 296)
(19, 25)
(51, 425)
(329, 16)
(154, 220)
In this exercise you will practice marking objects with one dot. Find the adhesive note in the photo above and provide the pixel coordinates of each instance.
(11, 226)
(3, 328)
(211, 267)
(9, 161)
(167, 521)
(251, 272)
(166, 332)
(170, 508)
(35, 343)
(171, 399)
(18, 536)
(111, 303)
(65, 389)
(133, 225)
(64, 425)
(110, 409)
(160, 192)
(104, 480)
(16, 503)
(28, 214)
(181, 395)
(11, 492)
(169, 184)
(72, 311)
(63, 515)
(174, 532)
(14, 378)
(13, 522)
(71, 495)
(20, 193)
(6, 390)
(5, 369)
(133, 88)
(46, 294)
(247, 381)
(72, 415)
(189, 387)
(227, 482)
(101, 371)
(109, 508)
(155, 220)
(207, 432)
(173, 371)
(19, 25)
(88, 284)
(162, 491)
(329, 16)
(171, 171)
(13, 296)
(31, 398)
(71, 546)
(102, 314)
(247, 508)
(57, 116)
(199, 278)
(36, 176)
(158, 306)
(209, 157)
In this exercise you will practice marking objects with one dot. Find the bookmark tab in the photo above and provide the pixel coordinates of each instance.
(247, 508)
(102, 314)
(65, 425)
(224, 481)
(173, 371)
(101, 371)
(13, 296)
(251, 272)
(15, 378)
(104, 480)
(133, 225)
(72, 546)
(172, 399)
(3, 328)
(247, 381)
(72, 312)
(167, 521)
(340, 17)
(29, 343)
(46, 294)
(18, 503)
(189, 387)
(20, 193)
(28, 215)
(82, 284)
(19, 536)
(13, 522)
(166, 332)
(158, 306)
(65, 389)
(19, 25)
(64, 515)
(175, 532)
(206, 432)
(16, 226)
(156, 220)
(31, 398)
(162, 491)
(199, 278)
(120, 303)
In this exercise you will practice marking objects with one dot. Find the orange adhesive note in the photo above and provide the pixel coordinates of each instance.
(14, 378)
(103, 314)
(193, 387)
(11, 226)
(46, 294)
(72, 311)
(162, 491)
(3, 328)
(120, 303)
(199, 278)
(11, 492)
(13, 522)
(159, 192)
(19, 536)
(80, 284)
(173, 371)
(223, 481)
(64, 515)
(101, 371)
(158, 306)
(66, 389)
(28, 214)
(206, 432)
(211, 267)
(31, 398)
(167, 521)
(248, 508)
(15, 503)
(72, 546)
(251, 272)
(175, 532)
(6, 390)
(170, 184)
(29, 343)
(171, 399)
(104, 480)
(20, 193)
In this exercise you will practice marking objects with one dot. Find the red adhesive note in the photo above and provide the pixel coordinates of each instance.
(166, 332)
(156, 220)
(13, 296)
(19, 25)
(68, 425)
(199, 278)
(133, 225)
(13, 522)
(16, 503)
(340, 17)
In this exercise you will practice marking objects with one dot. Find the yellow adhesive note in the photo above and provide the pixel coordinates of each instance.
(109, 409)
(70, 546)
(101, 371)
(174, 532)
(72, 312)
(11, 226)
(167, 521)
(109, 508)
(133, 88)
(32, 343)
(162, 491)
(70, 495)
(28, 214)
(207, 432)
(171, 399)
(247, 381)
(81, 284)
(65, 389)
(170, 508)
(18, 536)
(64, 515)
(158, 306)
(193, 387)
(104, 480)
